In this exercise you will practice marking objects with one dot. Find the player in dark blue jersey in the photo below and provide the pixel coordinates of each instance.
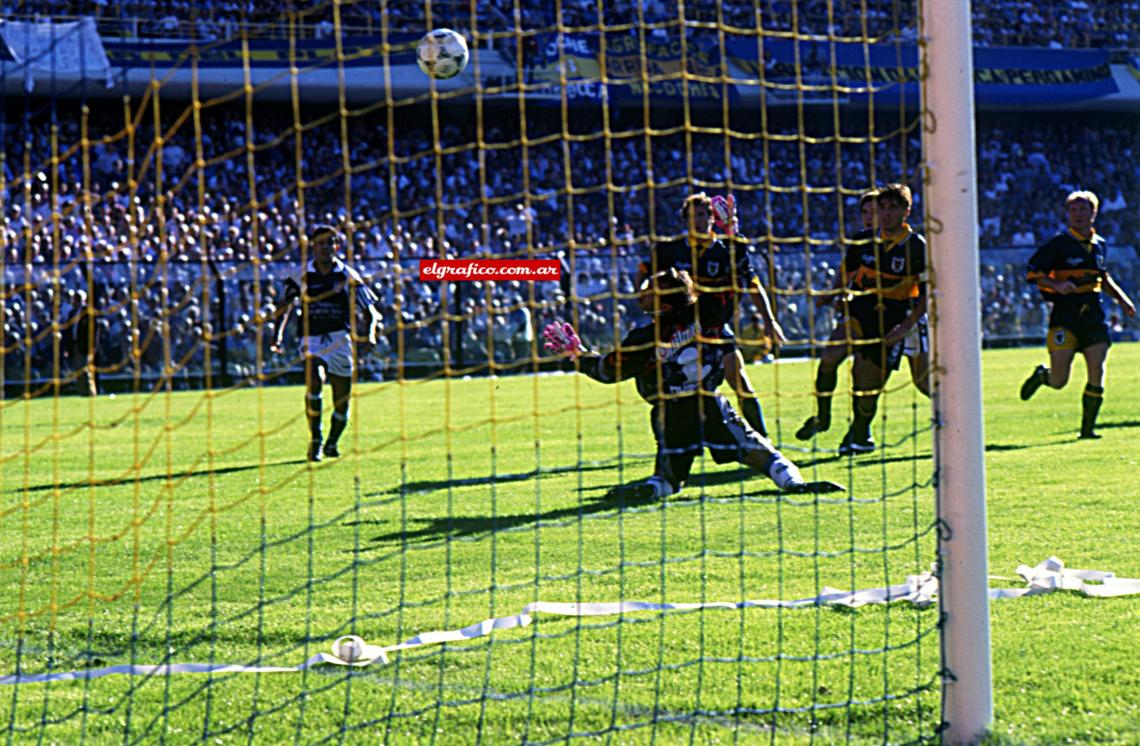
(721, 271)
(888, 287)
(678, 376)
(838, 346)
(916, 346)
(340, 315)
(1071, 271)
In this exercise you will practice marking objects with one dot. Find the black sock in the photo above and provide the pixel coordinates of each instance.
(339, 423)
(313, 409)
(1090, 407)
(825, 382)
(753, 415)
(865, 408)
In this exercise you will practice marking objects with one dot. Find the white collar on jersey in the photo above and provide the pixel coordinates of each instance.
(337, 265)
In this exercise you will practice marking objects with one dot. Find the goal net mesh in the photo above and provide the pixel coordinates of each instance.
(166, 544)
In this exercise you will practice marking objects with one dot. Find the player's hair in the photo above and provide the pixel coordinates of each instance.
(868, 196)
(699, 198)
(669, 283)
(1087, 196)
(898, 192)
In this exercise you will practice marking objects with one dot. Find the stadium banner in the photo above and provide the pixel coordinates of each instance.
(217, 68)
(786, 70)
(1001, 75)
(629, 59)
(47, 50)
(359, 51)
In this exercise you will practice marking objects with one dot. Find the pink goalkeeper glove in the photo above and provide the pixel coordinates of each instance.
(724, 214)
(560, 337)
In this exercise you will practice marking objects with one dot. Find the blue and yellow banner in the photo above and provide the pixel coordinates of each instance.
(630, 64)
(359, 51)
(858, 72)
(631, 60)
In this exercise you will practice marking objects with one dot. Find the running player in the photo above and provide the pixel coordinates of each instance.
(1071, 270)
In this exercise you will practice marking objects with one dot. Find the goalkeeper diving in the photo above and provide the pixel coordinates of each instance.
(678, 375)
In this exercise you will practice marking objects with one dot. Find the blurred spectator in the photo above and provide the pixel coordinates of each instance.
(152, 260)
(754, 343)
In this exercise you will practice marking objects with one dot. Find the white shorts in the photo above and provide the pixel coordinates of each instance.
(334, 349)
(917, 341)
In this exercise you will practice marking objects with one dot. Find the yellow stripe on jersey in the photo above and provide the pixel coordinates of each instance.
(1087, 280)
(887, 285)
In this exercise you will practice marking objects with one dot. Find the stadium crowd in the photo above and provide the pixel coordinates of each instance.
(1094, 24)
(162, 254)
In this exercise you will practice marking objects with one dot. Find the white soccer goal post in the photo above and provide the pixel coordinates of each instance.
(951, 219)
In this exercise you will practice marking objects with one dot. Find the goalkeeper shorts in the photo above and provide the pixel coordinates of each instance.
(684, 427)
(334, 350)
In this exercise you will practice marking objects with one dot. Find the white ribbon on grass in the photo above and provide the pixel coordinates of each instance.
(920, 590)
(1051, 575)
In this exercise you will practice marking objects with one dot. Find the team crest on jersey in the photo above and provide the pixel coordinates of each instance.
(1074, 261)
(898, 264)
(1059, 337)
(713, 267)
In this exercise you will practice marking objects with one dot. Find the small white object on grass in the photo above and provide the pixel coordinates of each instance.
(349, 648)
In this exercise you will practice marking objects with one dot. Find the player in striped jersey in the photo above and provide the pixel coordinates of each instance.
(915, 347)
(1071, 271)
(888, 282)
(334, 303)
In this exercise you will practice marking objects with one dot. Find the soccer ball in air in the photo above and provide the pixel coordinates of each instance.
(442, 53)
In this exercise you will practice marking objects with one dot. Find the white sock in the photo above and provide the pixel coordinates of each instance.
(783, 472)
(661, 486)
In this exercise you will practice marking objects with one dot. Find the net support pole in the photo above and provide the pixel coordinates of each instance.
(951, 208)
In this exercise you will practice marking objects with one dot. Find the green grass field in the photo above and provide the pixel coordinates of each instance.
(187, 528)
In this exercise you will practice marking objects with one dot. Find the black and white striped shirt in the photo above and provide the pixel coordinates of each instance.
(326, 306)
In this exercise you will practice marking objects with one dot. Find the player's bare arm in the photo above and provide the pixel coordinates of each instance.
(772, 327)
(278, 345)
(901, 330)
(1118, 293)
(366, 341)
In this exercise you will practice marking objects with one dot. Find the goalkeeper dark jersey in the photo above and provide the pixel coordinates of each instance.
(669, 343)
(721, 270)
(325, 303)
(1072, 257)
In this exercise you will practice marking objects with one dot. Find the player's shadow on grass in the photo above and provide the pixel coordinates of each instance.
(467, 526)
(1114, 425)
(459, 527)
(154, 477)
(432, 485)
(878, 458)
